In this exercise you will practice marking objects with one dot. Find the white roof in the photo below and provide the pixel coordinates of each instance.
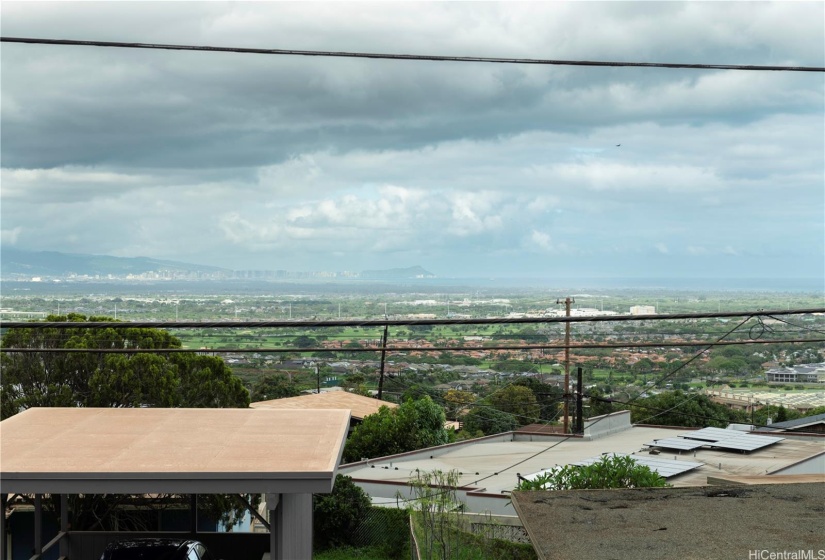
(493, 463)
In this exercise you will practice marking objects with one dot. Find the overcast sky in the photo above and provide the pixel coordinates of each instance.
(467, 169)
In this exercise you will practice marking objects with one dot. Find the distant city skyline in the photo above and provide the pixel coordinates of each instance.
(253, 162)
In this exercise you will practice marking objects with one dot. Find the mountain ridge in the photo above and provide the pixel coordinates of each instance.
(23, 263)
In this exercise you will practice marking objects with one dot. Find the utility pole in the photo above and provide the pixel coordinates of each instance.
(383, 361)
(567, 302)
(579, 395)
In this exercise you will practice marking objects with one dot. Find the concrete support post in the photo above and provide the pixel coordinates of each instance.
(193, 514)
(272, 502)
(38, 523)
(3, 503)
(293, 527)
(64, 525)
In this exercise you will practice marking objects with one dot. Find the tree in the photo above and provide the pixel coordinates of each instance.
(600, 405)
(270, 387)
(112, 379)
(304, 341)
(437, 512)
(610, 471)
(457, 400)
(547, 396)
(335, 516)
(518, 401)
(413, 425)
(488, 421)
(644, 365)
(675, 408)
(355, 383)
(441, 530)
(761, 415)
(419, 391)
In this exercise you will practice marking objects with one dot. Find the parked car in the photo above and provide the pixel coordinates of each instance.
(156, 549)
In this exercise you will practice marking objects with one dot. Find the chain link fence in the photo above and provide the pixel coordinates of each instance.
(493, 530)
(471, 537)
(387, 529)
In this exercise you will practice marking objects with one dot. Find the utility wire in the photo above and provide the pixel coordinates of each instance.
(482, 405)
(801, 327)
(688, 362)
(429, 58)
(662, 411)
(311, 324)
(664, 378)
(403, 349)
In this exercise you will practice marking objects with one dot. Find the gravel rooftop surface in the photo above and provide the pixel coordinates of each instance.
(726, 522)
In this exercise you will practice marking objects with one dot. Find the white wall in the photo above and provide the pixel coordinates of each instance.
(602, 426)
(811, 465)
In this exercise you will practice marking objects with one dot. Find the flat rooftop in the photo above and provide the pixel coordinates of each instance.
(492, 459)
(688, 523)
(130, 450)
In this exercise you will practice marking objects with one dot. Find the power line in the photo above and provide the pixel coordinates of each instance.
(564, 439)
(662, 411)
(403, 349)
(429, 58)
(685, 364)
(801, 327)
(399, 322)
(688, 362)
(629, 402)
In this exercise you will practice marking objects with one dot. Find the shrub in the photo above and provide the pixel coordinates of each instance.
(335, 516)
(611, 471)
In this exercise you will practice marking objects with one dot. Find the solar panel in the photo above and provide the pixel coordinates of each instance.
(746, 442)
(680, 444)
(709, 434)
(730, 439)
(666, 468)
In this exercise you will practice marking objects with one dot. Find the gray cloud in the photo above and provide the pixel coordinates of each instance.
(295, 162)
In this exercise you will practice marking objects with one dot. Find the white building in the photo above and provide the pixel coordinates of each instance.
(643, 310)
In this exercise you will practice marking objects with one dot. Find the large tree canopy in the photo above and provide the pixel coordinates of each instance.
(413, 425)
(517, 400)
(115, 380)
(106, 380)
(675, 408)
(486, 420)
(269, 386)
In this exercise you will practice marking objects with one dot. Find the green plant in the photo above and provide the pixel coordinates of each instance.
(269, 386)
(611, 471)
(351, 553)
(413, 425)
(439, 526)
(436, 504)
(488, 421)
(335, 516)
(386, 530)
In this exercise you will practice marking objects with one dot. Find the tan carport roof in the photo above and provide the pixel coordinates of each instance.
(360, 405)
(148, 450)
